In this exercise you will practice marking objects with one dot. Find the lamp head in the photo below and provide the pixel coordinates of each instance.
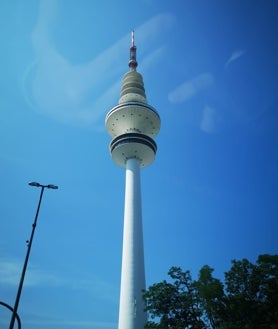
(54, 187)
(34, 184)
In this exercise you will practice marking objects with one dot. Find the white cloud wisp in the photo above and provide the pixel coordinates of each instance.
(190, 88)
(78, 94)
(234, 56)
(10, 275)
(208, 121)
(10, 271)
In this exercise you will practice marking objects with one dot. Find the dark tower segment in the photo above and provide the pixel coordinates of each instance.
(132, 61)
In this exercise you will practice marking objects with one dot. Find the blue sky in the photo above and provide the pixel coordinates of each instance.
(210, 69)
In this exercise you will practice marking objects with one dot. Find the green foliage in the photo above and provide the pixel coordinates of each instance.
(247, 299)
(174, 304)
(252, 294)
(211, 296)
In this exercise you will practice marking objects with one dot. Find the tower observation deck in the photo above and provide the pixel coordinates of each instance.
(132, 124)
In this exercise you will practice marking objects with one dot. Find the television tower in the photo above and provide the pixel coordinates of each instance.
(132, 123)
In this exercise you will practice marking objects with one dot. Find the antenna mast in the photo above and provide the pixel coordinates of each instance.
(132, 61)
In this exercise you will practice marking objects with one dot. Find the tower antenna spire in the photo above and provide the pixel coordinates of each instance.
(132, 38)
(132, 60)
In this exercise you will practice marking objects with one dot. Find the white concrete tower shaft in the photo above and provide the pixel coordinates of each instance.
(132, 124)
(131, 312)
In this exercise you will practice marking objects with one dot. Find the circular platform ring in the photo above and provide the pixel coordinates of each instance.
(132, 116)
(133, 145)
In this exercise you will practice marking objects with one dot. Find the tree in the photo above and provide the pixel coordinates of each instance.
(241, 302)
(252, 294)
(247, 299)
(211, 295)
(268, 289)
(174, 305)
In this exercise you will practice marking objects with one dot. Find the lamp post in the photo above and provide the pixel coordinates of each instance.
(29, 245)
(11, 309)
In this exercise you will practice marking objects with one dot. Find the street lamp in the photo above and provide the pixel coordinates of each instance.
(11, 309)
(29, 245)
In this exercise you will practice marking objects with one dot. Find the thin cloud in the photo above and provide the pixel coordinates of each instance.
(235, 56)
(190, 88)
(78, 94)
(208, 122)
(72, 323)
(10, 271)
